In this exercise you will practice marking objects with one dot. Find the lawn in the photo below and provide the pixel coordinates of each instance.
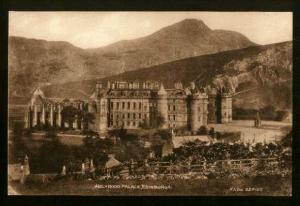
(270, 131)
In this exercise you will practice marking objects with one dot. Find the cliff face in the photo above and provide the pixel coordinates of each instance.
(38, 62)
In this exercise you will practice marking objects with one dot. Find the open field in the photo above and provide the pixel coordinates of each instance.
(270, 131)
(259, 186)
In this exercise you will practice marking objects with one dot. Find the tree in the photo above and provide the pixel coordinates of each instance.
(212, 132)
(51, 156)
(163, 134)
(17, 147)
(69, 115)
(96, 148)
(88, 118)
(286, 141)
(118, 132)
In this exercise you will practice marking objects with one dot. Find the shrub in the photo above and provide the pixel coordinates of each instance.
(202, 130)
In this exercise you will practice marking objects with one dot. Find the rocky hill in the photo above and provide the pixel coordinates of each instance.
(260, 75)
(34, 62)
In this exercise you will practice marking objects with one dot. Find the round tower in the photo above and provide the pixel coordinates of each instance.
(162, 105)
(212, 106)
(97, 105)
(226, 108)
(199, 112)
(103, 112)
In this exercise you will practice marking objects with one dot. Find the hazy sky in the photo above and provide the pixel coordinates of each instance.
(95, 29)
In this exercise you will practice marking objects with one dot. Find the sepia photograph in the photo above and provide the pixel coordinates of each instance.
(150, 103)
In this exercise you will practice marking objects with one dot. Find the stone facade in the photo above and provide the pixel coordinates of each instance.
(45, 112)
(133, 105)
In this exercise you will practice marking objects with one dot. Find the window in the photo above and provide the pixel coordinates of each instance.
(117, 105)
(169, 107)
(128, 105)
(133, 115)
(123, 105)
(145, 116)
(174, 117)
(140, 116)
(169, 118)
(128, 123)
(134, 105)
(111, 105)
(128, 115)
(174, 107)
(140, 105)
(123, 116)
(134, 124)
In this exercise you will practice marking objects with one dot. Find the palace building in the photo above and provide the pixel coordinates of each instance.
(133, 105)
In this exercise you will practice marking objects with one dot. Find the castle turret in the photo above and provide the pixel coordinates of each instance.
(198, 114)
(162, 105)
(103, 113)
(226, 108)
(212, 106)
(98, 106)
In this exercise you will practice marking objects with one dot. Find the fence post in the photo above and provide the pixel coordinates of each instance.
(82, 169)
(132, 167)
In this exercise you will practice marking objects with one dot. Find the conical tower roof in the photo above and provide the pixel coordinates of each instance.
(162, 90)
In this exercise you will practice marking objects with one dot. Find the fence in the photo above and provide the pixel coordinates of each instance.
(203, 166)
(168, 168)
